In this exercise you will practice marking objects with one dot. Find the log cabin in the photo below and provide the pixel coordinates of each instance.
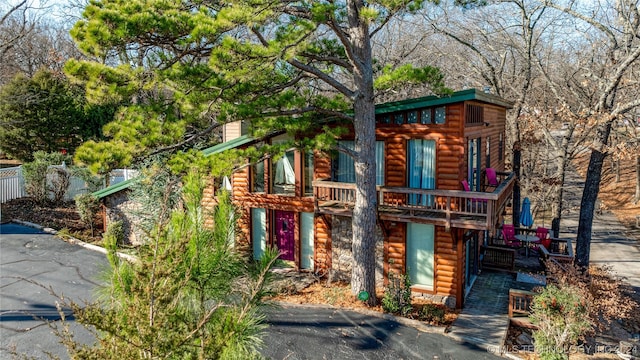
(429, 225)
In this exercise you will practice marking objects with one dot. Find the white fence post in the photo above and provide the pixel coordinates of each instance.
(11, 184)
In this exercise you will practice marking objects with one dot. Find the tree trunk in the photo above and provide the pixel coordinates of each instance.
(365, 208)
(562, 173)
(589, 198)
(637, 197)
(516, 187)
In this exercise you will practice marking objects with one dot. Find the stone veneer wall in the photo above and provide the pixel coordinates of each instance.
(119, 208)
(341, 258)
(447, 300)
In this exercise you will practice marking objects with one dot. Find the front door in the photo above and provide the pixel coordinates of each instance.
(285, 239)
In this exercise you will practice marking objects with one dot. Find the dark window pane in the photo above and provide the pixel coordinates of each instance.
(412, 117)
(308, 173)
(440, 115)
(425, 116)
(258, 177)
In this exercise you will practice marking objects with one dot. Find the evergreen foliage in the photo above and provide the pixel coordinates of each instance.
(562, 318)
(397, 295)
(87, 206)
(36, 179)
(189, 295)
(47, 113)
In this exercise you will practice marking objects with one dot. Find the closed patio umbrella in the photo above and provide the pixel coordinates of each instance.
(525, 215)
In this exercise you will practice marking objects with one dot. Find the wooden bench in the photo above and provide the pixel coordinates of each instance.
(520, 307)
(498, 258)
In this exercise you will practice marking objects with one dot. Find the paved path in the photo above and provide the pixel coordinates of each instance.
(612, 244)
(301, 332)
(29, 257)
(484, 321)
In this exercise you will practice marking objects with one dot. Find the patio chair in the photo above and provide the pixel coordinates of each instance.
(492, 178)
(509, 236)
(467, 188)
(543, 234)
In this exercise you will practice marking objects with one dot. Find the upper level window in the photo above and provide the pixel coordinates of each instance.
(488, 152)
(412, 117)
(283, 180)
(308, 173)
(257, 177)
(345, 169)
(431, 115)
(421, 168)
(425, 116)
(440, 115)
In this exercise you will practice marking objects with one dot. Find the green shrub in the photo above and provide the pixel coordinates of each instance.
(114, 235)
(562, 318)
(35, 177)
(432, 313)
(87, 206)
(397, 295)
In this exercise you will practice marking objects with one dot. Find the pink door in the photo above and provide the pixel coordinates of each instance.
(285, 239)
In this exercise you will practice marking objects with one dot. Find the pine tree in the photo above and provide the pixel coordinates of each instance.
(189, 294)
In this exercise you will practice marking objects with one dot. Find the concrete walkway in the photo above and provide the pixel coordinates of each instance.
(612, 244)
(483, 320)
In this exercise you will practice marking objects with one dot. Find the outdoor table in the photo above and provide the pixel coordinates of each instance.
(527, 240)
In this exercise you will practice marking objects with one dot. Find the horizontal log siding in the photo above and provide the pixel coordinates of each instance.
(322, 223)
(451, 169)
(322, 248)
(208, 203)
(395, 248)
(242, 196)
(496, 117)
(240, 181)
(446, 263)
(321, 166)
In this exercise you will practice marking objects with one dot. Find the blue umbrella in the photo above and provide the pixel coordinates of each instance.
(525, 215)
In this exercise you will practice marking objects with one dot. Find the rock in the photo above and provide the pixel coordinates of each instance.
(524, 339)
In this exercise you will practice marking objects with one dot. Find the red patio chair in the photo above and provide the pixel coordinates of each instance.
(543, 235)
(509, 236)
(492, 177)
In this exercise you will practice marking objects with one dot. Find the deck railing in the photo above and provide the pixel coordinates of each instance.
(483, 207)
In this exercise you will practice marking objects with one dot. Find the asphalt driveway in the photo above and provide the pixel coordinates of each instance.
(297, 333)
(31, 262)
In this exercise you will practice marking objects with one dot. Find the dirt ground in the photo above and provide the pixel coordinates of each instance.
(59, 217)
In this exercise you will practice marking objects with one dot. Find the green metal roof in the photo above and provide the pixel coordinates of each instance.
(428, 101)
(231, 144)
(409, 104)
(112, 189)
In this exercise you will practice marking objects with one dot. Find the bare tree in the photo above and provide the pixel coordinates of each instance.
(31, 40)
(600, 88)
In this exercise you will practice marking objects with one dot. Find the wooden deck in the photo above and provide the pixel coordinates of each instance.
(448, 208)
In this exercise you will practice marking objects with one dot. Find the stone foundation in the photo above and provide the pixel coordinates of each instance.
(341, 258)
(447, 300)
